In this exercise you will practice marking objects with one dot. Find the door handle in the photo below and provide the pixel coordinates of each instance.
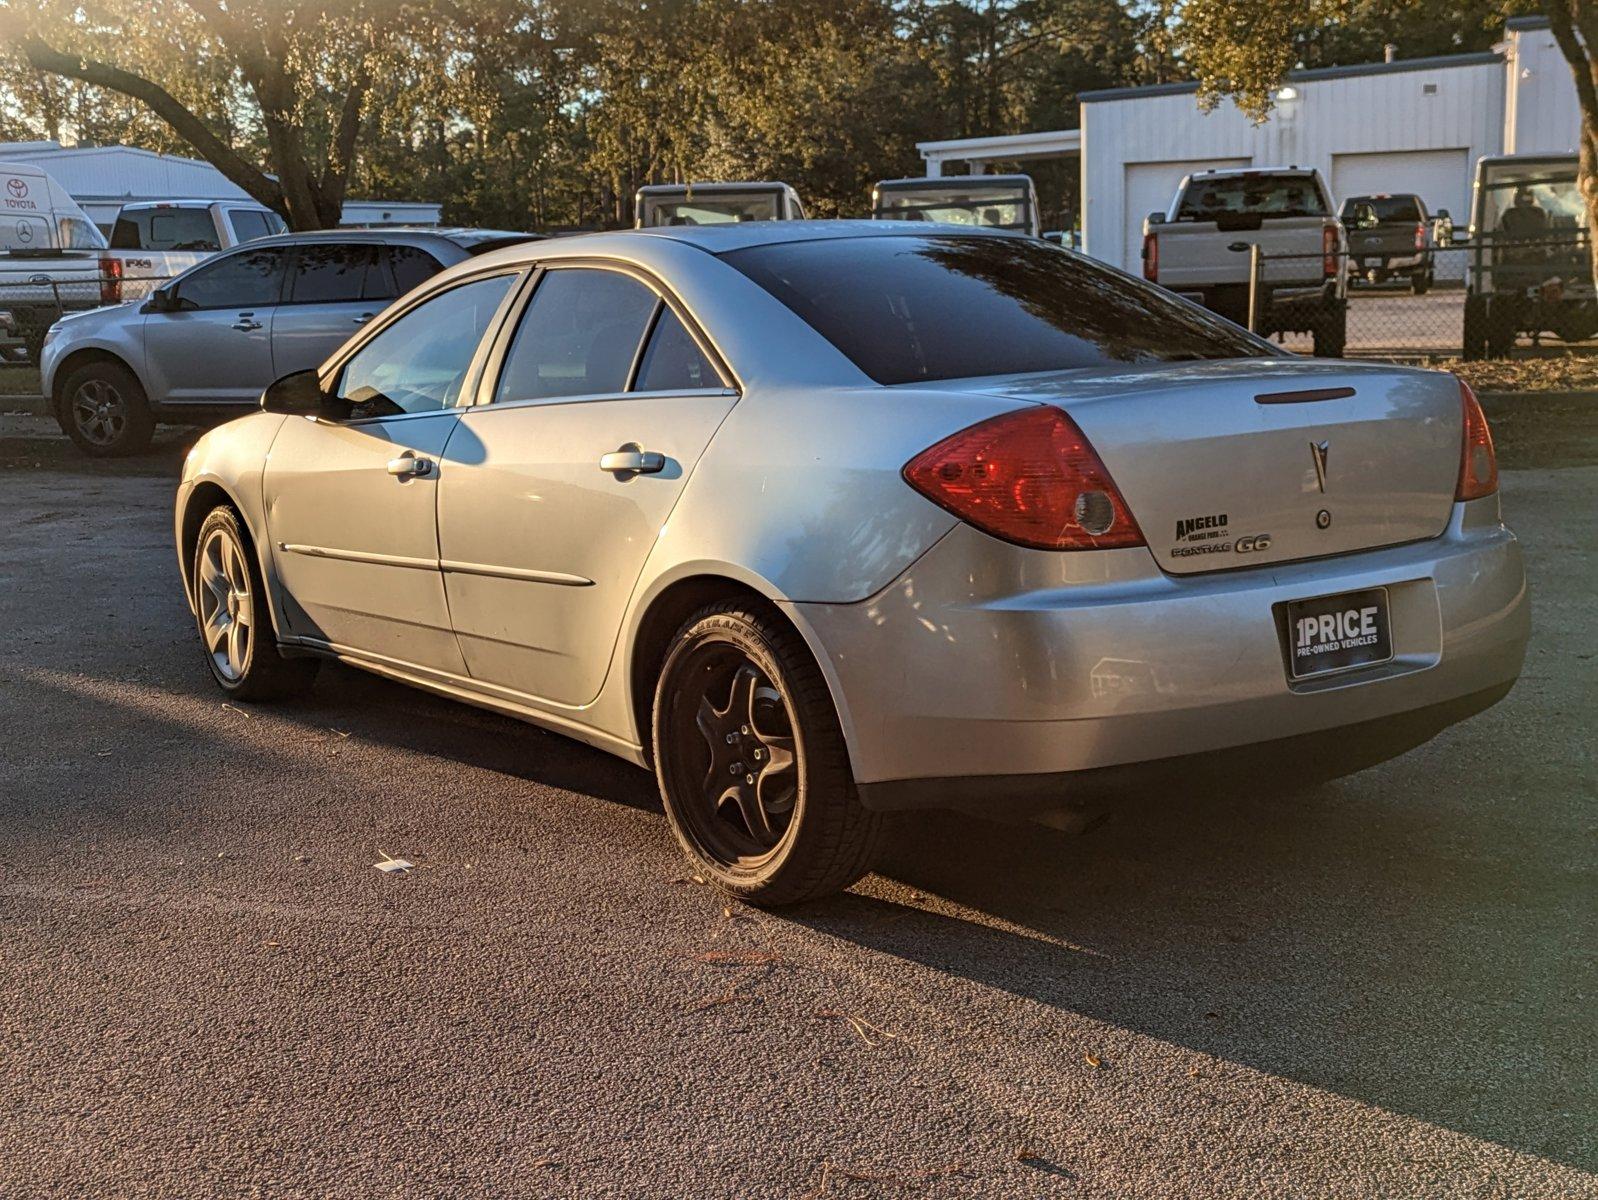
(245, 323)
(362, 319)
(408, 466)
(632, 460)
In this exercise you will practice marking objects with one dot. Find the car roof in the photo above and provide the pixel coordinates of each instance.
(177, 201)
(952, 180)
(672, 189)
(470, 240)
(1231, 172)
(719, 239)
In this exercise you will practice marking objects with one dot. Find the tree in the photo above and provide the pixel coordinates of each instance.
(1243, 48)
(294, 72)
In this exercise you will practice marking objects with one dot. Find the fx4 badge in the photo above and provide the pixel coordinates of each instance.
(1317, 451)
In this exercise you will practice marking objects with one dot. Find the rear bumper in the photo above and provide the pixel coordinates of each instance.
(977, 666)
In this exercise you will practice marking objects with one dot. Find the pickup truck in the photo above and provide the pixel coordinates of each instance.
(1391, 235)
(1200, 248)
(164, 238)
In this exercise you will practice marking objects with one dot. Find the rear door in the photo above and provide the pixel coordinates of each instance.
(560, 482)
(215, 347)
(334, 289)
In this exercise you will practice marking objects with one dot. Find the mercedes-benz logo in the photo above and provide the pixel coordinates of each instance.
(24, 232)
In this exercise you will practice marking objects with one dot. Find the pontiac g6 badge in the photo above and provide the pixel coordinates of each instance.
(1317, 451)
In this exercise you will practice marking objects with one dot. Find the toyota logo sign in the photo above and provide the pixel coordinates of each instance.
(17, 187)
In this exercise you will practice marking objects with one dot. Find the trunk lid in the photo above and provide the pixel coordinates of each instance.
(1227, 465)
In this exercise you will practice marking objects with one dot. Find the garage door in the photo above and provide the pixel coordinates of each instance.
(1439, 177)
(1149, 187)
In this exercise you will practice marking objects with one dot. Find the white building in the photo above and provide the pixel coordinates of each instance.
(1415, 125)
(104, 178)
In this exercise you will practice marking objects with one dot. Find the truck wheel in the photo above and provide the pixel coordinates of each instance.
(1503, 325)
(1474, 348)
(1420, 282)
(104, 411)
(1331, 331)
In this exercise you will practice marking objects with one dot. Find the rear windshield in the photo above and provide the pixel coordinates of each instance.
(1000, 207)
(1256, 194)
(906, 309)
(1380, 210)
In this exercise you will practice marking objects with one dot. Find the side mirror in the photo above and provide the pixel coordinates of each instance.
(1444, 215)
(160, 300)
(296, 395)
(1156, 218)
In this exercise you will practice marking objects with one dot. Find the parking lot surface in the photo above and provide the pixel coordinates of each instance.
(1382, 987)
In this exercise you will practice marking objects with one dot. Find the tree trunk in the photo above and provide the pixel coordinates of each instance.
(1575, 28)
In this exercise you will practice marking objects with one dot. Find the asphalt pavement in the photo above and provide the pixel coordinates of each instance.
(1383, 987)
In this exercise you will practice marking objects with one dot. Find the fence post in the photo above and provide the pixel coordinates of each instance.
(1254, 257)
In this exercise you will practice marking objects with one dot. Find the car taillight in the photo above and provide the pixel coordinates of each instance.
(1478, 465)
(1151, 257)
(110, 281)
(1329, 250)
(1420, 236)
(1028, 477)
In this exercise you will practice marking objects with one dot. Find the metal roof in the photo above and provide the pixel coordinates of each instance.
(1433, 63)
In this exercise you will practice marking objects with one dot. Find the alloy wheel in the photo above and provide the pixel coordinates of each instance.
(733, 731)
(227, 609)
(100, 412)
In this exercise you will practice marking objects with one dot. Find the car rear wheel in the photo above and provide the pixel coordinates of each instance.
(752, 764)
(104, 411)
(235, 625)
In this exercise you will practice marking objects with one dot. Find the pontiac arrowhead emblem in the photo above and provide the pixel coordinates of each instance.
(1317, 451)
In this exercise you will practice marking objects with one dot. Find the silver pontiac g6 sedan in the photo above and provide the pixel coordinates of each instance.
(822, 520)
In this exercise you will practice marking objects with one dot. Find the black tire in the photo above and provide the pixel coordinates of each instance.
(1474, 347)
(1330, 331)
(104, 410)
(258, 671)
(809, 836)
(1420, 282)
(1502, 325)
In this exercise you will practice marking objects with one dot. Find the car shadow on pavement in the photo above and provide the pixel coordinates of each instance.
(1319, 937)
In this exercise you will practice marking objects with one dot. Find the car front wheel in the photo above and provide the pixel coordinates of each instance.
(104, 411)
(235, 625)
(752, 763)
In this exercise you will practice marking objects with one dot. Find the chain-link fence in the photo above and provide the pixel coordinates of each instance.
(1490, 297)
(33, 300)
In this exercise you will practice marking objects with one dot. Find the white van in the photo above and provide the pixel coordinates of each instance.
(50, 259)
(36, 214)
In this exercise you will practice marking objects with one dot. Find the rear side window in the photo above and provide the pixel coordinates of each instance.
(578, 337)
(247, 279)
(673, 361)
(407, 267)
(248, 224)
(907, 309)
(1256, 194)
(331, 273)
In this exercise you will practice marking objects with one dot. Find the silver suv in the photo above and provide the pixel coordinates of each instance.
(206, 344)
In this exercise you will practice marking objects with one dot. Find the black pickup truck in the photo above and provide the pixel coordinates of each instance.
(1390, 235)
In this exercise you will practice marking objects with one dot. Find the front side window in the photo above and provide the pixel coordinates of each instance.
(78, 234)
(673, 361)
(332, 273)
(248, 279)
(578, 337)
(907, 309)
(420, 362)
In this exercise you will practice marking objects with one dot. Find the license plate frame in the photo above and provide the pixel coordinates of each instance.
(1346, 610)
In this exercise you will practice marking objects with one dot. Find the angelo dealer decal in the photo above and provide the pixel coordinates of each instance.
(1211, 534)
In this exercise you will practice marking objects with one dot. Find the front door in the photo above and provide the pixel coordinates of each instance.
(557, 489)
(216, 346)
(351, 504)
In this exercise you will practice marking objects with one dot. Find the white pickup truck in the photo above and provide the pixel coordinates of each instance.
(1200, 248)
(164, 238)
